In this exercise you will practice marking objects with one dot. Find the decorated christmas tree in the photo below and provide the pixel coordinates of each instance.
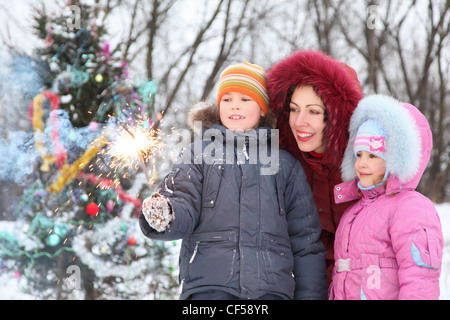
(76, 232)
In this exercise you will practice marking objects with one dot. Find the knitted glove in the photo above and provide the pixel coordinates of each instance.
(158, 212)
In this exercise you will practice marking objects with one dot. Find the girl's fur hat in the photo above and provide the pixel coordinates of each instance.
(404, 147)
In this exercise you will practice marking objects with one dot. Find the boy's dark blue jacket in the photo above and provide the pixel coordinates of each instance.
(248, 227)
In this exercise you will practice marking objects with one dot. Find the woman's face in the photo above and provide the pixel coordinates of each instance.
(307, 119)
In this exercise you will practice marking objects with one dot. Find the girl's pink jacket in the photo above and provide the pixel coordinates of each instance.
(389, 244)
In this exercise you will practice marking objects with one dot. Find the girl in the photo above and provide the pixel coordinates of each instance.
(388, 244)
(245, 233)
(313, 97)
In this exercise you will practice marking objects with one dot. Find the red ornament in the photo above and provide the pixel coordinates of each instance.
(131, 241)
(92, 209)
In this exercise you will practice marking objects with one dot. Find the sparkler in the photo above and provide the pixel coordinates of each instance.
(133, 143)
(139, 153)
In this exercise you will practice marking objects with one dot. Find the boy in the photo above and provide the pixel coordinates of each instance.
(245, 232)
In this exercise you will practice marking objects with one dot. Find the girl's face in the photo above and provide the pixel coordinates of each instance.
(307, 119)
(369, 168)
(239, 112)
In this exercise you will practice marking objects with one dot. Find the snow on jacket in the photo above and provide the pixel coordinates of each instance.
(338, 86)
(389, 244)
(243, 232)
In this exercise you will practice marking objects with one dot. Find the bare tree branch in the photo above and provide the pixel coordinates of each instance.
(225, 51)
(194, 47)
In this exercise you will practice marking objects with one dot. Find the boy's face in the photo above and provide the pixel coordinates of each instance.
(239, 112)
(369, 168)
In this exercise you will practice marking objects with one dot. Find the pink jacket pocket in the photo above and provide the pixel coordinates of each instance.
(424, 249)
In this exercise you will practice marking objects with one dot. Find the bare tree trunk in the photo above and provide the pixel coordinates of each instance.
(438, 178)
(152, 28)
(225, 48)
(324, 22)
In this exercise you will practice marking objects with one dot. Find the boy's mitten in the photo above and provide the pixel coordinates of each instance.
(158, 212)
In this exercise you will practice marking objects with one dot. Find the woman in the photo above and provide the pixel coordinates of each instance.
(313, 97)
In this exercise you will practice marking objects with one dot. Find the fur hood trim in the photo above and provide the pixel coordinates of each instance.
(207, 113)
(404, 144)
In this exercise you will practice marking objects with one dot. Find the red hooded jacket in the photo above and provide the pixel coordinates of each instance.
(338, 86)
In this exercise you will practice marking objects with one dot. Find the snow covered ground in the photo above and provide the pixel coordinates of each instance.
(444, 214)
(10, 283)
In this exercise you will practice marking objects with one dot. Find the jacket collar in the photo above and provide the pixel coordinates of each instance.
(349, 191)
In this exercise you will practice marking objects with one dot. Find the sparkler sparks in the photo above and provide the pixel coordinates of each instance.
(131, 145)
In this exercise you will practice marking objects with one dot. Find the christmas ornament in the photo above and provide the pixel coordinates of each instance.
(69, 172)
(105, 52)
(53, 240)
(147, 90)
(59, 151)
(108, 184)
(93, 126)
(131, 241)
(60, 230)
(110, 206)
(99, 78)
(92, 209)
(78, 78)
(37, 113)
(146, 124)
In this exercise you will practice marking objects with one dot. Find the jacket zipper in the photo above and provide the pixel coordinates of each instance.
(244, 150)
(195, 251)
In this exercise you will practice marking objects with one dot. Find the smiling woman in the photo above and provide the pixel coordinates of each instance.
(313, 97)
(307, 119)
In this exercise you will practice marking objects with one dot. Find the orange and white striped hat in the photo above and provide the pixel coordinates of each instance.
(245, 78)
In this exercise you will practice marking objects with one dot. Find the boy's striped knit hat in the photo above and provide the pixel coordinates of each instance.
(245, 78)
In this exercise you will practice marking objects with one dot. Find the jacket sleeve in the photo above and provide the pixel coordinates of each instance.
(304, 231)
(417, 240)
(183, 187)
